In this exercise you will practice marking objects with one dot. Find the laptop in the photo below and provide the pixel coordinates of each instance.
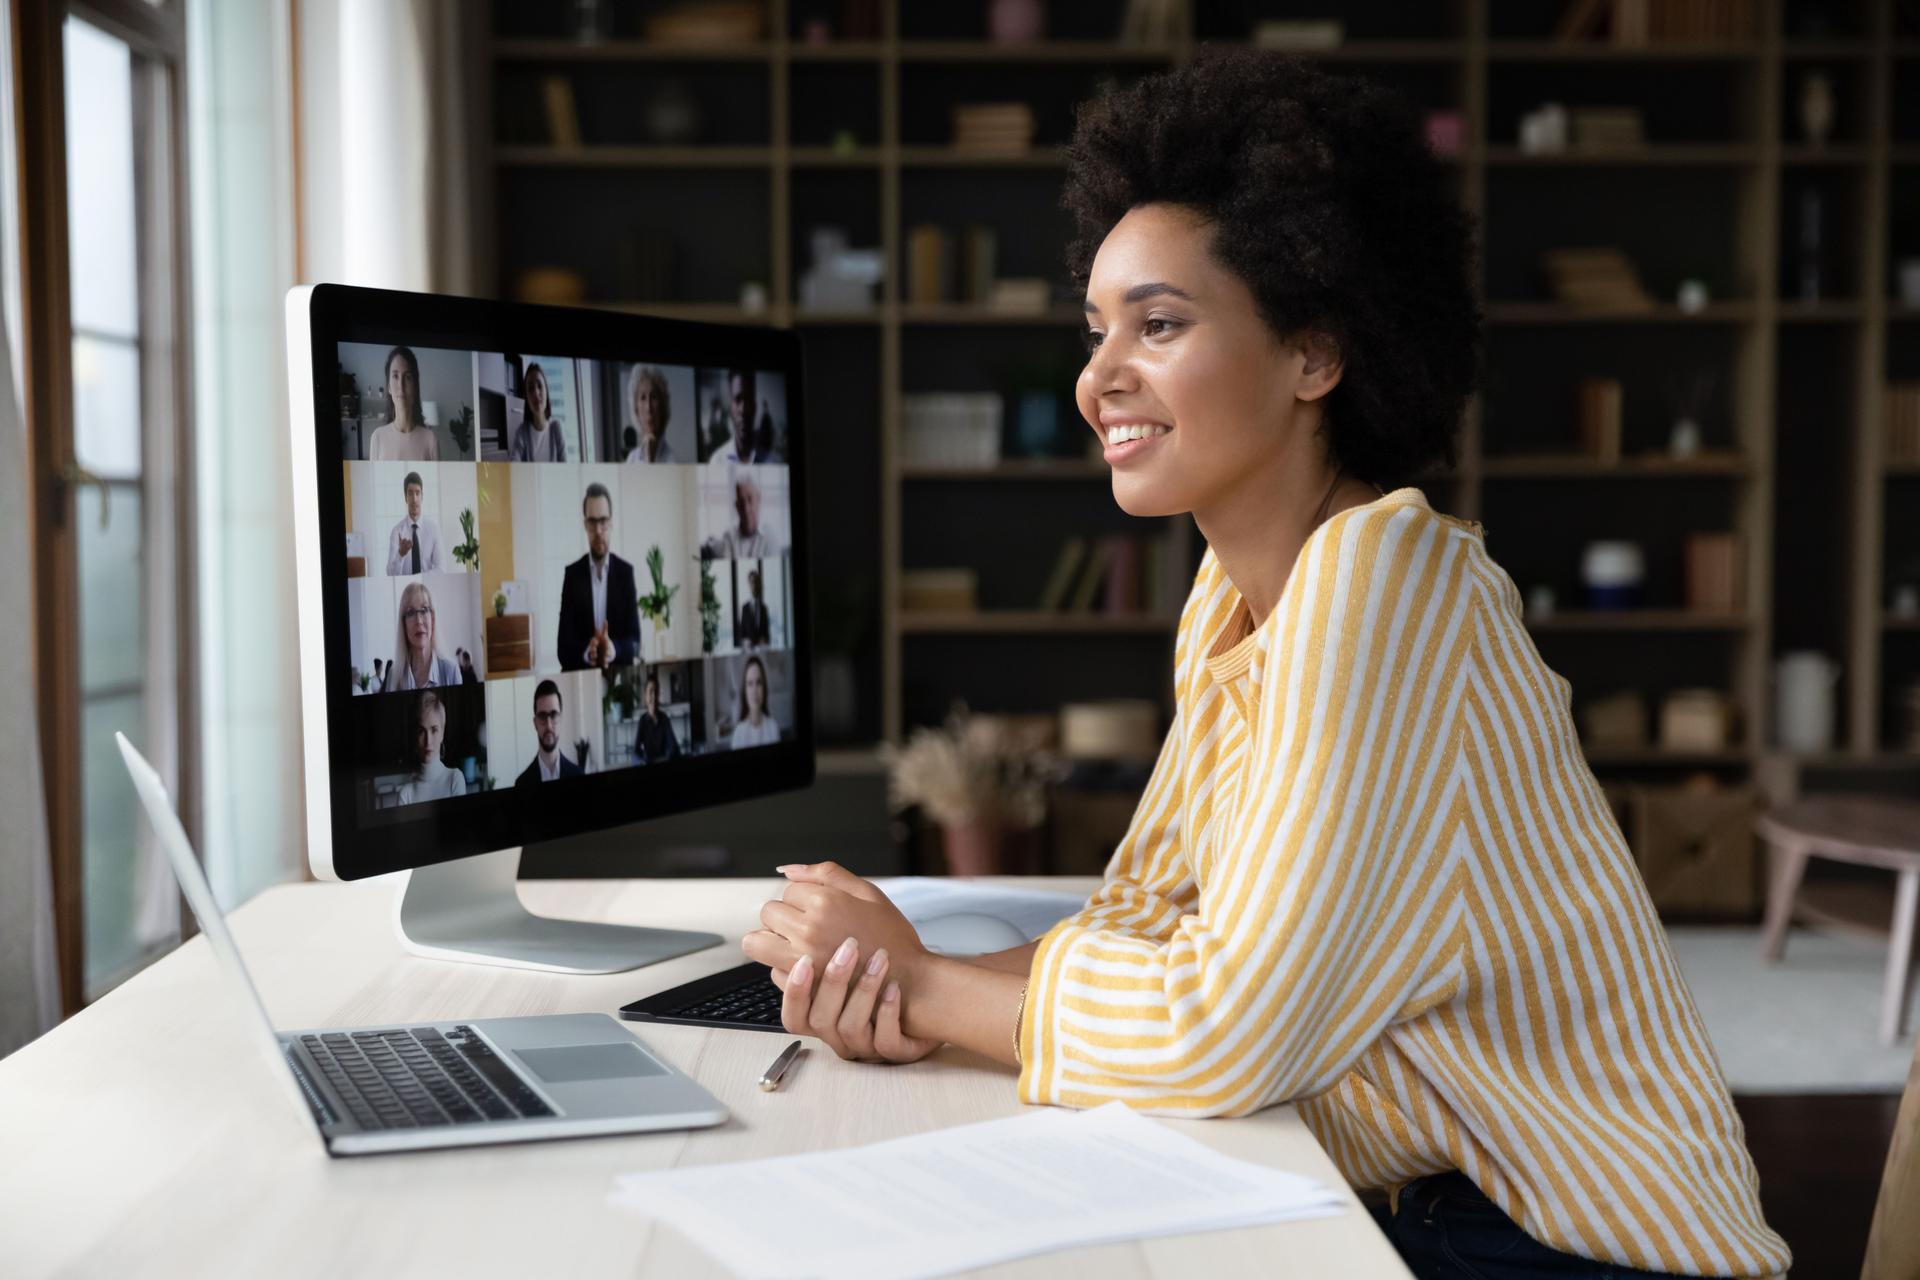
(427, 1085)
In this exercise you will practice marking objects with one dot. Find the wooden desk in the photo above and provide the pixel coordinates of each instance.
(146, 1136)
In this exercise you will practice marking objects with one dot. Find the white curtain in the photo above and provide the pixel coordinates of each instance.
(29, 981)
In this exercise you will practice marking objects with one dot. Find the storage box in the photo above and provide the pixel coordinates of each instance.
(1695, 848)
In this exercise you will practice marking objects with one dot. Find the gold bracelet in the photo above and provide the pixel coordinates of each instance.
(1018, 1014)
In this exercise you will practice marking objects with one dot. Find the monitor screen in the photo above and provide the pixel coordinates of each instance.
(560, 574)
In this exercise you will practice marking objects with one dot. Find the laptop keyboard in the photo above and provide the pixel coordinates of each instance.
(418, 1078)
(755, 1000)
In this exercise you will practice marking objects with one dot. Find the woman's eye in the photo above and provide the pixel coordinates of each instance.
(1090, 339)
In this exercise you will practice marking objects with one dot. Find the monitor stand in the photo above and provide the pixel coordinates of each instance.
(469, 909)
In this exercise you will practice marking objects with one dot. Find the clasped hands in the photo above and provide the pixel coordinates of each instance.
(840, 951)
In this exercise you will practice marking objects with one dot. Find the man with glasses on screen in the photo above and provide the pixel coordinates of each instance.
(549, 762)
(599, 604)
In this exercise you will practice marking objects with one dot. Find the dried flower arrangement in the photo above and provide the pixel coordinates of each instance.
(982, 770)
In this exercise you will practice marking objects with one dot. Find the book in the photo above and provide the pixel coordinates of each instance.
(977, 258)
(1093, 576)
(563, 120)
(1061, 580)
(927, 256)
(1600, 413)
(1123, 574)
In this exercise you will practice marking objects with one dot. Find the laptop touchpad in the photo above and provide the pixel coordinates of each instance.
(571, 1064)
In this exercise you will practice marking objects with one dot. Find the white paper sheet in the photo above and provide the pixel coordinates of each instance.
(953, 1199)
(1032, 911)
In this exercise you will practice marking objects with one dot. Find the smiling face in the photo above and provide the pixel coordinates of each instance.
(416, 615)
(1180, 356)
(649, 408)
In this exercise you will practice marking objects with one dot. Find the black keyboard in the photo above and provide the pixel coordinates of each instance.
(742, 997)
(417, 1078)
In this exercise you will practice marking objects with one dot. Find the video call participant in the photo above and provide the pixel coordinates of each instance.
(540, 437)
(414, 545)
(432, 779)
(743, 541)
(647, 396)
(753, 627)
(406, 437)
(757, 727)
(417, 660)
(655, 740)
(752, 441)
(549, 762)
(599, 609)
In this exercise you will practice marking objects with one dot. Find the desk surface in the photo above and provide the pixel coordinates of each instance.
(146, 1135)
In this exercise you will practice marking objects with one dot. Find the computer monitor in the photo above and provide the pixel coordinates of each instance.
(551, 571)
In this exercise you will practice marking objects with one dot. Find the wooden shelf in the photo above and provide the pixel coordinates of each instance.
(1660, 155)
(1904, 470)
(837, 51)
(1592, 620)
(1034, 622)
(966, 313)
(1732, 312)
(1381, 51)
(954, 158)
(612, 157)
(1637, 467)
(1837, 154)
(833, 158)
(1039, 51)
(1838, 311)
(1054, 469)
(714, 312)
(1584, 51)
(1626, 757)
(629, 51)
(1890, 623)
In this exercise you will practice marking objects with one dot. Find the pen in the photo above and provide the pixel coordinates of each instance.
(771, 1079)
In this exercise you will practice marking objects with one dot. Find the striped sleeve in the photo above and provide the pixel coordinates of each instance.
(1324, 913)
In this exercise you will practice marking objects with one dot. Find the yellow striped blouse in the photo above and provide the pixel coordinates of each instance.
(1372, 873)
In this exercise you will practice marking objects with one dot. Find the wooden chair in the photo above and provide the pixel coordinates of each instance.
(1893, 1242)
(1867, 831)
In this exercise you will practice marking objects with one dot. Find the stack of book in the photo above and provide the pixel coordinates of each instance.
(951, 428)
(707, 22)
(1118, 574)
(1597, 279)
(939, 590)
(931, 274)
(1607, 128)
(1903, 423)
(1642, 22)
(993, 128)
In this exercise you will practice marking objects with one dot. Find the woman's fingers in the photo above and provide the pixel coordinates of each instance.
(783, 918)
(856, 1019)
(889, 1041)
(770, 949)
(830, 997)
(832, 875)
(798, 998)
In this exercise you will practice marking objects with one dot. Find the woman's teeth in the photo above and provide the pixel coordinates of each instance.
(1136, 431)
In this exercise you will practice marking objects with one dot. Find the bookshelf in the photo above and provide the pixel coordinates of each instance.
(1793, 461)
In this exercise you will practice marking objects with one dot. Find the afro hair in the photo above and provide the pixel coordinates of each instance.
(1322, 194)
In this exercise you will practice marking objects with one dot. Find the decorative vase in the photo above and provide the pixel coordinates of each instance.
(973, 848)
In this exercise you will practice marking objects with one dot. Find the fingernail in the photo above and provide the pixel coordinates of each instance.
(893, 992)
(783, 868)
(878, 963)
(801, 971)
(844, 956)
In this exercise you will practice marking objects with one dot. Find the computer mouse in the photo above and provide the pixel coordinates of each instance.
(968, 933)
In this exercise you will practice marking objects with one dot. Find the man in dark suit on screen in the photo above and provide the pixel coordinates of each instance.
(550, 763)
(599, 611)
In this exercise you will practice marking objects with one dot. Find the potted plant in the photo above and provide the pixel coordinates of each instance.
(709, 607)
(467, 553)
(658, 603)
(978, 778)
(460, 427)
(499, 604)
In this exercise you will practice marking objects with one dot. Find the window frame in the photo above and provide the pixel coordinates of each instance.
(156, 33)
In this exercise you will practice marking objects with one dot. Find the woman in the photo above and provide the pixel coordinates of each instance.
(405, 437)
(757, 728)
(647, 397)
(1371, 872)
(654, 737)
(417, 660)
(432, 779)
(540, 437)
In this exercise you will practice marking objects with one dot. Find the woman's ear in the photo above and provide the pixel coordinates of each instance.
(1321, 365)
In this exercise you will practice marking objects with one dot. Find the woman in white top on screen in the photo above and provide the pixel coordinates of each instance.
(432, 779)
(406, 437)
(647, 396)
(539, 438)
(417, 660)
(757, 727)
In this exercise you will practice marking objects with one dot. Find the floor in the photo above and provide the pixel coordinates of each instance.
(1820, 1158)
